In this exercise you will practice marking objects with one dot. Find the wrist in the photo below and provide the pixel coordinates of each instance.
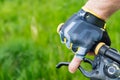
(91, 18)
(102, 8)
(96, 12)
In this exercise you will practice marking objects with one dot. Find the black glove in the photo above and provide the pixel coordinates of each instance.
(82, 32)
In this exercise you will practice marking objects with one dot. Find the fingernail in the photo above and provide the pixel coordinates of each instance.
(73, 66)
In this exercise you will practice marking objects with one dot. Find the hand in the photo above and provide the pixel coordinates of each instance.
(81, 33)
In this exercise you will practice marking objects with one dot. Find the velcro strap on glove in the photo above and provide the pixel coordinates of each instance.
(92, 19)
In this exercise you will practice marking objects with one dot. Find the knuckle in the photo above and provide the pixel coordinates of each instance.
(59, 27)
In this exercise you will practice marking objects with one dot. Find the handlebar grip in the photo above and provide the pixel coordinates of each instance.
(108, 52)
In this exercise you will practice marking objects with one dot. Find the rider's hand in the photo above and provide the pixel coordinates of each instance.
(81, 33)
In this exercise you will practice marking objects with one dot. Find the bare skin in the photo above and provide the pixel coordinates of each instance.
(102, 9)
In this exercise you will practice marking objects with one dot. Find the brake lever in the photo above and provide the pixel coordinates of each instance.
(60, 64)
(105, 66)
(85, 73)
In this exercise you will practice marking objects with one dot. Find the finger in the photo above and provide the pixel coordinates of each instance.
(69, 44)
(75, 47)
(63, 39)
(59, 27)
(73, 66)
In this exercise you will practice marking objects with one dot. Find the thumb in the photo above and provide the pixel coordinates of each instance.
(73, 66)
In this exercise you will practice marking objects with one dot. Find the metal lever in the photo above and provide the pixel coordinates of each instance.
(62, 64)
(86, 73)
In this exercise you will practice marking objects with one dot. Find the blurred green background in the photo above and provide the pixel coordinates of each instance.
(30, 47)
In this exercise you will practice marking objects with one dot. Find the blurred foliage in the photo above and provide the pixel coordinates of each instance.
(30, 48)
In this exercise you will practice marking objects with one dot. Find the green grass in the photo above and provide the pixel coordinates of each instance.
(30, 47)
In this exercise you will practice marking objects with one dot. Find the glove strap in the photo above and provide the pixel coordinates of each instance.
(90, 18)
